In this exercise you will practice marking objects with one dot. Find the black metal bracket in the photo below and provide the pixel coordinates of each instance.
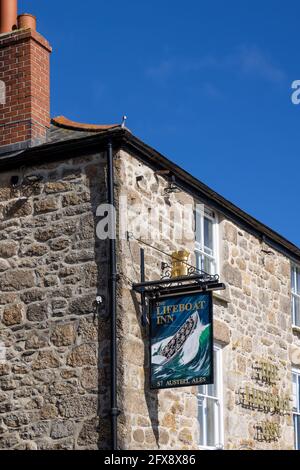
(172, 186)
(178, 285)
(195, 281)
(115, 412)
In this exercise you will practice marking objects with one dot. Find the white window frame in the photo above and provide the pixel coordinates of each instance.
(219, 405)
(295, 295)
(202, 211)
(296, 412)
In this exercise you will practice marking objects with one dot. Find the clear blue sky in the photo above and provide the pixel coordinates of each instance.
(208, 84)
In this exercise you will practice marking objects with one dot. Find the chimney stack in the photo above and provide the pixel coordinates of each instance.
(24, 81)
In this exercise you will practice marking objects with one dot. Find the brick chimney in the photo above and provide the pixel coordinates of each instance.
(24, 81)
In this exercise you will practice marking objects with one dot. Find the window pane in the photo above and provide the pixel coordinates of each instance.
(202, 389)
(208, 236)
(198, 219)
(201, 418)
(296, 316)
(298, 281)
(293, 310)
(210, 409)
(198, 261)
(205, 264)
(210, 422)
(297, 431)
(204, 241)
(208, 265)
(212, 390)
(298, 394)
(295, 384)
(293, 279)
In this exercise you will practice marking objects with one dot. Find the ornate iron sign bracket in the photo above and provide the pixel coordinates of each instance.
(195, 281)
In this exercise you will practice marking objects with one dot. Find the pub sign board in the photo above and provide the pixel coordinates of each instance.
(181, 340)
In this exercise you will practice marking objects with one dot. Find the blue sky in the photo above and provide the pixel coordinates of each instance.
(208, 84)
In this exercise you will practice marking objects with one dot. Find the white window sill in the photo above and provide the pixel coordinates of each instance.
(211, 448)
(296, 329)
(221, 297)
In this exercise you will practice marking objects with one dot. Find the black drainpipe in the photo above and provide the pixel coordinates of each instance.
(112, 288)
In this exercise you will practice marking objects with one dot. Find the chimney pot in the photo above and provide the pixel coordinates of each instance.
(8, 15)
(27, 21)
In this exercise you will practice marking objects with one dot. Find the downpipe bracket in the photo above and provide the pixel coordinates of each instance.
(115, 412)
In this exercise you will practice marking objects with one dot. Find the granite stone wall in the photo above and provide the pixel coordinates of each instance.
(252, 324)
(54, 382)
(259, 318)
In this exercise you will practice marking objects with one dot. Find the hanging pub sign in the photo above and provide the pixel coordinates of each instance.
(181, 340)
(180, 309)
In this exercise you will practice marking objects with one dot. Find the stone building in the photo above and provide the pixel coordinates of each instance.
(55, 279)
